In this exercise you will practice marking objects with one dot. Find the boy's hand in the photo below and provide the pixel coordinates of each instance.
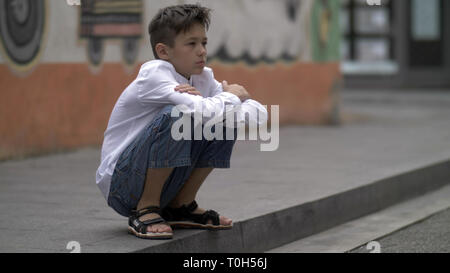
(237, 90)
(186, 88)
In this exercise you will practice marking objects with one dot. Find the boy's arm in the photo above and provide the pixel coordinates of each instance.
(160, 90)
(250, 111)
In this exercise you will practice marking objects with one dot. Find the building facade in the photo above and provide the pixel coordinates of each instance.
(63, 67)
(401, 43)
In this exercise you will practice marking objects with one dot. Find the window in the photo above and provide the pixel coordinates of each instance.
(366, 31)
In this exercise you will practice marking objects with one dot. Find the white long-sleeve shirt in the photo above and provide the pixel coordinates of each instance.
(148, 94)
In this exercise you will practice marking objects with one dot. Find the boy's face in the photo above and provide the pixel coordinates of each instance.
(188, 55)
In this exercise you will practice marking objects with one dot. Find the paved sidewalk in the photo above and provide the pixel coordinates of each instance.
(46, 202)
(430, 235)
(357, 235)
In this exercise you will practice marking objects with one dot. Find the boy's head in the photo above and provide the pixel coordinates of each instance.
(178, 35)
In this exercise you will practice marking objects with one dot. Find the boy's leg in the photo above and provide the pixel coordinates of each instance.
(163, 153)
(168, 165)
(188, 193)
(154, 183)
(144, 167)
(190, 188)
(205, 156)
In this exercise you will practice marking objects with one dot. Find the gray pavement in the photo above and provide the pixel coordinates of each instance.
(46, 202)
(431, 235)
(357, 235)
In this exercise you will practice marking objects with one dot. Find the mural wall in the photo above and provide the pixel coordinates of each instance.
(101, 20)
(22, 30)
(260, 31)
(63, 67)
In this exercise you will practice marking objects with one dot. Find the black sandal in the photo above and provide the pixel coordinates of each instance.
(184, 218)
(139, 228)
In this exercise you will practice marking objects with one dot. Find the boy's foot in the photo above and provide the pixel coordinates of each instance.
(224, 221)
(191, 216)
(147, 223)
(155, 228)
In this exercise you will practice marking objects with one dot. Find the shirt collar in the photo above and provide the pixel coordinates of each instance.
(180, 78)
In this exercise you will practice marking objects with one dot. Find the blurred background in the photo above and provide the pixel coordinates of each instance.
(63, 67)
(363, 94)
(398, 44)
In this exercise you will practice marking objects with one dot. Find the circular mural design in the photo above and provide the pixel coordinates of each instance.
(22, 24)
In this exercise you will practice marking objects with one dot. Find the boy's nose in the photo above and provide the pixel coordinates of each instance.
(202, 51)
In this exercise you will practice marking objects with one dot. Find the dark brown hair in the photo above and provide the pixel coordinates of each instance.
(170, 21)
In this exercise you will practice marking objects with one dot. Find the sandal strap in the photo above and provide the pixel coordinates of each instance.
(177, 213)
(211, 215)
(141, 226)
(185, 212)
(147, 210)
(153, 221)
(192, 206)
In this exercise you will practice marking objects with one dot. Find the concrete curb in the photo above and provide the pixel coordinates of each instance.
(272, 230)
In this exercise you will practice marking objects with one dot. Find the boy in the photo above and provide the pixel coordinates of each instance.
(143, 168)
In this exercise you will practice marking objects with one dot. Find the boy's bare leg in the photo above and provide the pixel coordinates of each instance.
(189, 191)
(154, 183)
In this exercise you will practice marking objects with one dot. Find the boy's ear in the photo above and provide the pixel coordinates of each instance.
(162, 51)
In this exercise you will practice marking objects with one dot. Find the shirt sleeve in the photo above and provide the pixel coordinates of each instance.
(249, 111)
(156, 87)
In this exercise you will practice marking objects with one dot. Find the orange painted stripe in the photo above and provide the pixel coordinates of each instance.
(302, 90)
(57, 106)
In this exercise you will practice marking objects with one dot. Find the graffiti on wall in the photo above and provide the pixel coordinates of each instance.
(22, 28)
(102, 20)
(260, 31)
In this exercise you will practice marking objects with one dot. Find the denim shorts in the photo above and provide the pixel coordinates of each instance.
(154, 147)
